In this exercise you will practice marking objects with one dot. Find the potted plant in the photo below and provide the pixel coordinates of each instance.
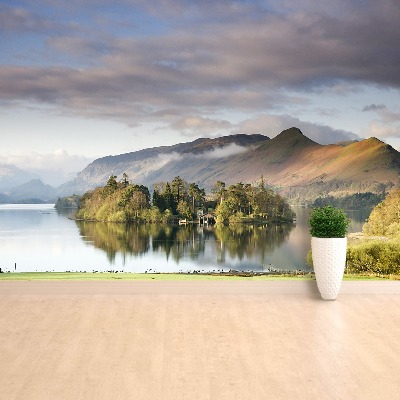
(328, 228)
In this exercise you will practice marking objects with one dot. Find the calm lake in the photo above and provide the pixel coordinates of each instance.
(39, 238)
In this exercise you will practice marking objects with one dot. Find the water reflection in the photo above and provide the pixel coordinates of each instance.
(39, 238)
(246, 241)
(115, 238)
(231, 247)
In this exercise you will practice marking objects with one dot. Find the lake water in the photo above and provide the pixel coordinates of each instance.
(39, 238)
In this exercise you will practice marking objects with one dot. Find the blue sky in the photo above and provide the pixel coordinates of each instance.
(81, 80)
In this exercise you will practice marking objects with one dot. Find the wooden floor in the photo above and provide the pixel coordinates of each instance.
(198, 340)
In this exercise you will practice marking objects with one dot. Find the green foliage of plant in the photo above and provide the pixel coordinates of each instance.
(375, 257)
(223, 211)
(184, 210)
(68, 202)
(126, 202)
(328, 222)
(236, 218)
(384, 219)
(246, 203)
(153, 215)
(115, 202)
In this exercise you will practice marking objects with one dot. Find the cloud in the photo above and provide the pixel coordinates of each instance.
(388, 123)
(180, 65)
(227, 151)
(216, 153)
(22, 20)
(383, 130)
(272, 125)
(79, 47)
(232, 64)
(374, 107)
(195, 125)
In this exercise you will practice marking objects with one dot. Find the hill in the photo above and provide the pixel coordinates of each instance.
(161, 163)
(33, 191)
(11, 176)
(298, 167)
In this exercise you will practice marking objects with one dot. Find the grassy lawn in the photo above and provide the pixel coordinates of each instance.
(165, 277)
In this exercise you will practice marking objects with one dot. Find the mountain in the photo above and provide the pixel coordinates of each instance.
(11, 176)
(298, 167)
(33, 190)
(156, 164)
(304, 170)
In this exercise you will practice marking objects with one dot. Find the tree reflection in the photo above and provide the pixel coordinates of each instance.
(178, 241)
(239, 241)
(245, 241)
(116, 238)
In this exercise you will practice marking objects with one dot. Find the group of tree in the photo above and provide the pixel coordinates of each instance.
(243, 202)
(379, 256)
(68, 202)
(179, 197)
(122, 201)
(384, 219)
(126, 202)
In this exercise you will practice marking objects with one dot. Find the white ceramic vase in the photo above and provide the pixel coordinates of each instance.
(329, 260)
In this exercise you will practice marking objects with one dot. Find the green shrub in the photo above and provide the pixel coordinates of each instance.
(384, 219)
(373, 257)
(377, 257)
(309, 259)
(328, 222)
(236, 218)
(118, 216)
(393, 229)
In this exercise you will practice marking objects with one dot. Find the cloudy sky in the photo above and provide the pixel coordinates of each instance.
(83, 79)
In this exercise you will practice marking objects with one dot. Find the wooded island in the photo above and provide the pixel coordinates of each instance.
(122, 201)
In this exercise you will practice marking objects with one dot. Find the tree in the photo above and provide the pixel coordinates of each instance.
(184, 210)
(196, 195)
(179, 189)
(138, 202)
(145, 190)
(125, 181)
(168, 197)
(250, 192)
(223, 212)
(158, 200)
(111, 185)
(219, 191)
(236, 197)
(264, 201)
(384, 219)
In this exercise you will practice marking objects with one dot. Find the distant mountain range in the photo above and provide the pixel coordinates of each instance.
(189, 160)
(18, 185)
(298, 167)
(11, 176)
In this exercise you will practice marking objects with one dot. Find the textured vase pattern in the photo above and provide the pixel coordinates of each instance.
(329, 259)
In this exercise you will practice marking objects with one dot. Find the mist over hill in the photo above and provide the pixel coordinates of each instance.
(296, 166)
(156, 164)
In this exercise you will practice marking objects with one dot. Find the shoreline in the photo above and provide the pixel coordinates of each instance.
(128, 276)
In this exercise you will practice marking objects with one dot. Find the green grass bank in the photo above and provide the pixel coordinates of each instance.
(171, 276)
